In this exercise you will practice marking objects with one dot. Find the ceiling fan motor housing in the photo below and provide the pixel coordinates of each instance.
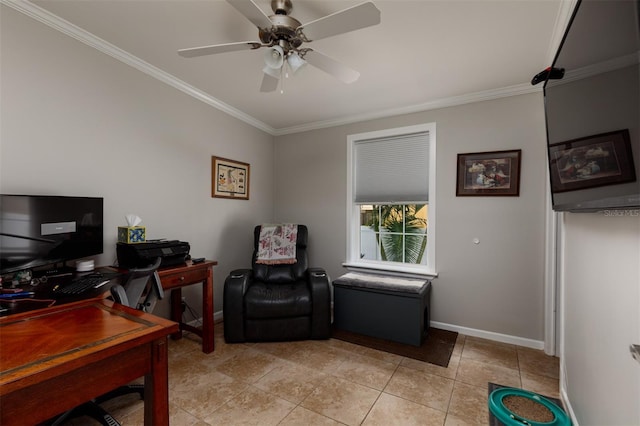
(284, 27)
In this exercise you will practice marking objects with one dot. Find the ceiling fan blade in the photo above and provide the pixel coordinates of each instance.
(252, 12)
(218, 48)
(354, 18)
(269, 83)
(331, 66)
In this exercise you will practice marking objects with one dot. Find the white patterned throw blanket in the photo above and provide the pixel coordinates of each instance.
(277, 245)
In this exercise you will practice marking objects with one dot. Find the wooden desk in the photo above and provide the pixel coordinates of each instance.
(174, 278)
(54, 359)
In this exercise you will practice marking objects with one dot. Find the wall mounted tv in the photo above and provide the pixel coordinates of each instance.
(44, 230)
(593, 112)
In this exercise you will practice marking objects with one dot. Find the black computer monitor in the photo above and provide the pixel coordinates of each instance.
(40, 230)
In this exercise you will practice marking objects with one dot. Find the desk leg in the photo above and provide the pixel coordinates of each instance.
(176, 310)
(156, 386)
(207, 313)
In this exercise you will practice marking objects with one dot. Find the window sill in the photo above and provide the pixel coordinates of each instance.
(402, 271)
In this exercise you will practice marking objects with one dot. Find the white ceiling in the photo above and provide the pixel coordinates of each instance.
(424, 54)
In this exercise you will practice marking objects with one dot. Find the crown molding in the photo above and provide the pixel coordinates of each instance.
(560, 27)
(71, 30)
(486, 95)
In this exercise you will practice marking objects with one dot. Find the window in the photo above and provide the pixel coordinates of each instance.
(391, 200)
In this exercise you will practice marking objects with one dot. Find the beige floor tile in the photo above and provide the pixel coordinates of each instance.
(537, 362)
(368, 352)
(390, 410)
(181, 369)
(448, 372)
(366, 371)
(341, 400)
(251, 407)
(280, 349)
(490, 352)
(222, 351)
(183, 346)
(479, 373)
(469, 404)
(422, 388)
(249, 366)
(301, 416)
(459, 346)
(182, 418)
(289, 381)
(320, 356)
(209, 393)
(453, 420)
(460, 341)
(543, 385)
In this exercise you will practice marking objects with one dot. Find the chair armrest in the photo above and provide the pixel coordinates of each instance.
(321, 300)
(235, 286)
(119, 295)
(239, 280)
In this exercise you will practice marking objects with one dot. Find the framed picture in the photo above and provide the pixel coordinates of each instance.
(598, 160)
(229, 178)
(489, 173)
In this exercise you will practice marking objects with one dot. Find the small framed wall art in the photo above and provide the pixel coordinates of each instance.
(597, 160)
(229, 178)
(489, 173)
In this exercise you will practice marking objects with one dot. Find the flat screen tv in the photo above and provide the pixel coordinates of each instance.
(593, 112)
(39, 230)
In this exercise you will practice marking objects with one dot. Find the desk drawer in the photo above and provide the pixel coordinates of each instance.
(184, 278)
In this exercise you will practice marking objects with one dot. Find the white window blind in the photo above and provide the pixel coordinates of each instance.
(392, 170)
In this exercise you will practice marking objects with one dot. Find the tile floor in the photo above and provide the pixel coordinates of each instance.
(337, 383)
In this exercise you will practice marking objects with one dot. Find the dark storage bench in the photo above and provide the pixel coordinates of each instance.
(385, 307)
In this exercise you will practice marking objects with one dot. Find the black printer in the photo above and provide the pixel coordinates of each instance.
(138, 255)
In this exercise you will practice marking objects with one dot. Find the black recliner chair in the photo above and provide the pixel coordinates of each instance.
(277, 302)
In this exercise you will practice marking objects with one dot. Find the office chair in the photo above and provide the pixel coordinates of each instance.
(141, 290)
(136, 292)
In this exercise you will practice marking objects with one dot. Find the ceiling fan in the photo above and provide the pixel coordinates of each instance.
(285, 38)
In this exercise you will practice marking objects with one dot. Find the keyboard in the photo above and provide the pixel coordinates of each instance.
(82, 284)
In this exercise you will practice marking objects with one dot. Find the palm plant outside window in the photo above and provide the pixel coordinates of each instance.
(394, 232)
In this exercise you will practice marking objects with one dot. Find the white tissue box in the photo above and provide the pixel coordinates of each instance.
(131, 234)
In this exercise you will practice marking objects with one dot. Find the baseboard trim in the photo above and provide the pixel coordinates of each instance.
(490, 335)
(567, 407)
(564, 396)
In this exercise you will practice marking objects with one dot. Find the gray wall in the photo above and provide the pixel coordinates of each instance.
(495, 286)
(78, 122)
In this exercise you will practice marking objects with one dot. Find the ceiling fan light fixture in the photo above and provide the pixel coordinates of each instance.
(295, 62)
(274, 57)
